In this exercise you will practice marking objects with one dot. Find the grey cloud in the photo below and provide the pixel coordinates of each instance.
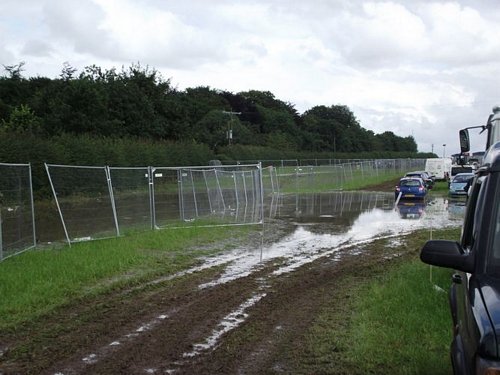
(78, 23)
(37, 48)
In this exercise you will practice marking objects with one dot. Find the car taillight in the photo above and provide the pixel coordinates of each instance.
(420, 188)
(397, 188)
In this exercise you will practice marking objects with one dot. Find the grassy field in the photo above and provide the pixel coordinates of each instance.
(396, 322)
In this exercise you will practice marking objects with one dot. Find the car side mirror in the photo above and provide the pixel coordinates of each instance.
(464, 140)
(449, 254)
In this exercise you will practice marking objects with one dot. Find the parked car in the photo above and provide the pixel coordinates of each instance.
(410, 188)
(457, 169)
(475, 291)
(458, 184)
(425, 176)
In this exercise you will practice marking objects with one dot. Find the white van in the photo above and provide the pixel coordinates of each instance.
(440, 168)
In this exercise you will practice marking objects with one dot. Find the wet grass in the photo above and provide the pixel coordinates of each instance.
(440, 187)
(331, 182)
(363, 183)
(396, 322)
(36, 282)
(403, 324)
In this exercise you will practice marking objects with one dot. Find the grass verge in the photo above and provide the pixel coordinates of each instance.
(36, 282)
(397, 322)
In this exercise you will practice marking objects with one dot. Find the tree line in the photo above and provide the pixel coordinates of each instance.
(136, 105)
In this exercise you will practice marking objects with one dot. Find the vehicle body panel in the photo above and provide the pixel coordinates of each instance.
(440, 168)
(459, 182)
(475, 291)
(410, 188)
(426, 177)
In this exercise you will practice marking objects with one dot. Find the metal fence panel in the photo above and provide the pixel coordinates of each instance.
(98, 202)
(221, 195)
(85, 201)
(132, 197)
(335, 176)
(17, 220)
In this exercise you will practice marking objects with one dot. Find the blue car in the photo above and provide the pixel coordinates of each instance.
(410, 188)
(458, 184)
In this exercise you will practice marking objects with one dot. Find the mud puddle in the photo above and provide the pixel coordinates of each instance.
(326, 223)
(185, 327)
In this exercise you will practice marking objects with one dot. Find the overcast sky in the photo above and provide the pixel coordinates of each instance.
(420, 68)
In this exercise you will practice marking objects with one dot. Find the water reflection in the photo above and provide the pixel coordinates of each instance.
(456, 208)
(343, 209)
(411, 210)
(325, 223)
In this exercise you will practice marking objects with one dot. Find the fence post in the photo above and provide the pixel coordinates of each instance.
(237, 196)
(220, 190)
(261, 197)
(112, 199)
(194, 193)
(32, 209)
(181, 194)
(246, 196)
(152, 205)
(208, 191)
(57, 204)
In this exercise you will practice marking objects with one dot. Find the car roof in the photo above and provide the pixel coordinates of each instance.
(411, 178)
(464, 174)
(416, 172)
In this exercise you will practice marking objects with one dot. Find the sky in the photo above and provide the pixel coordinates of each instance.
(413, 67)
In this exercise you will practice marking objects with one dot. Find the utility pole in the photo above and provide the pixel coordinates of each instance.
(229, 133)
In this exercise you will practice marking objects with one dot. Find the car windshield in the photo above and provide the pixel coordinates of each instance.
(463, 178)
(456, 170)
(409, 183)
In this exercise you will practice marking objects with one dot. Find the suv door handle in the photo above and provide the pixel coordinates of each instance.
(456, 278)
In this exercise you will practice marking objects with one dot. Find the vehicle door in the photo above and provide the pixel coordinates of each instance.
(464, 295)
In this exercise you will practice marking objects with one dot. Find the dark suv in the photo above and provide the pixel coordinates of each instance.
(475, 291)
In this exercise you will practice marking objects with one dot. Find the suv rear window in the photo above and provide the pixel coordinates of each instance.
(410, 183)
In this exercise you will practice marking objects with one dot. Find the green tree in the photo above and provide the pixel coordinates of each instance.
(22, 120)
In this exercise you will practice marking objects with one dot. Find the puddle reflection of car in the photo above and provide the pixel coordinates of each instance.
(411, 210)
(410, 188)
(456, 208)
(458, 184)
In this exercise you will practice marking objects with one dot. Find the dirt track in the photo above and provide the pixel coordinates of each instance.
(166, 327)
(254, 324)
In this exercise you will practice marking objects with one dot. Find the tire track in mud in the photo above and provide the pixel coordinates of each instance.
(243, 319)
(166, 343)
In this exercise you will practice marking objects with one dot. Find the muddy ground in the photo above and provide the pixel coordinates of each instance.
(256, 324)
